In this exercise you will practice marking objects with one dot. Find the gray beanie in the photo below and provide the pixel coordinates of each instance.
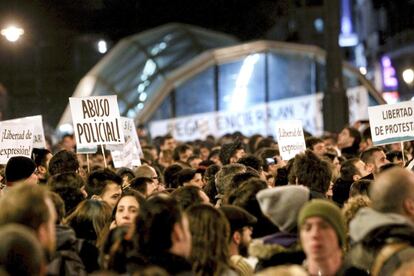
(282, 205)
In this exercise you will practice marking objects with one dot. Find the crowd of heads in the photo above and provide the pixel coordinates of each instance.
(223, 205)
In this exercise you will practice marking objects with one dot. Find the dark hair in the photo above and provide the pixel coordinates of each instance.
(39, 156)
(67, 186)
(354, 133)
(155, 223)
(185, 175)
(99, 179)
(187, 196)
(267, 153)
(140, 184)
(366, 155)
(360, 187)
(162, 139)
(62, 162)
(228, 150)
(170, 175)
(89, 219)
(251, 161)
(311, 141)
(116, 248)
(123, 171)
(210, 232)
(348, 169)
(265, 143)
(312, 172)
(180, 149)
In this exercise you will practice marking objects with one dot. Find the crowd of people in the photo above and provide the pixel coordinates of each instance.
(219, 206)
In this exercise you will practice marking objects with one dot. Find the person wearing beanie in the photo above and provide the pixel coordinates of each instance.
(241, 225)
(20, 169)
(322, 235)
(281, 205)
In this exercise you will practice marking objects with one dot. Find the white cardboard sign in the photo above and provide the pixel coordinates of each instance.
(392, 123)
(290, 138)
(128, 154)
(96, 120)
(15, 140)
(38, 132)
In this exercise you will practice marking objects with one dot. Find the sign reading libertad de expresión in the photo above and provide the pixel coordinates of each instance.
(290, 138)
(391, 123)
(96, 120)
(15, 140)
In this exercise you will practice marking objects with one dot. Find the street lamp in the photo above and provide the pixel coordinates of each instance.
(12, 33)
(408, 76)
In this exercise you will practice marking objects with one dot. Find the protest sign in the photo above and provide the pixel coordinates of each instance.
(391, 123)
(290, 138)
(96, 120)
(38, 132)
(128, 154)
(16, 140)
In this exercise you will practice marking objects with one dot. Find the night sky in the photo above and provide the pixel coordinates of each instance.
(246, 19)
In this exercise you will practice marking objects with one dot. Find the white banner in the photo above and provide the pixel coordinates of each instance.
(290, 138)
(16, 140)
(259, 118)
(128, 154)
(391, 123)
(96, 120)
(38, 132)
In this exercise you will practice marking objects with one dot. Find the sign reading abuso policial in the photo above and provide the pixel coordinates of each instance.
(96, 120)
(290, 138)
(16, 140)
(391, 123)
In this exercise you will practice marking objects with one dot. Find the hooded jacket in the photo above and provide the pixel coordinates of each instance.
(370, 230)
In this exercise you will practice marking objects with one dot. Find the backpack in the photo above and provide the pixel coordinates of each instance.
(385, 254)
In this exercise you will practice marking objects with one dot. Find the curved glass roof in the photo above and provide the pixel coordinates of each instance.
(144, 69)
(139, 64)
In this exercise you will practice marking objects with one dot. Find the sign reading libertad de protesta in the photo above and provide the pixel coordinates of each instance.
(392, 123)
(96, 120)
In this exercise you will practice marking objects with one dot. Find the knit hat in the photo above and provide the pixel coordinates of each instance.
(19, 168)
(329, 212)
(282, 205)
(238, 217)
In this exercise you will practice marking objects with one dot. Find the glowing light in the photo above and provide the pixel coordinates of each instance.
(239, 95)
(66, 128)
(102, 46)
(143, 97)
(12, 33)
(408, 76)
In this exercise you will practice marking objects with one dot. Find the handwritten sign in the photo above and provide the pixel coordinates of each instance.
(16, 140)
(38, 132)
(290, 138)
(128, 154)
(96, 120)
(392, 123)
